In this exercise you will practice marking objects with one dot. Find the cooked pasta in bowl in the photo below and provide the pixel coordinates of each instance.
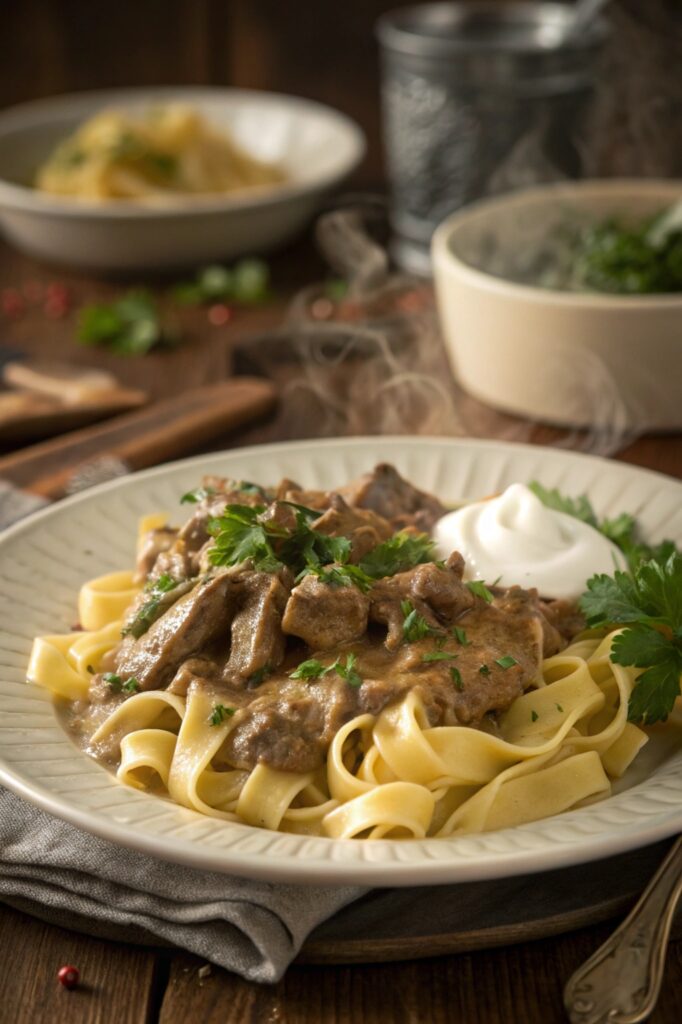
(140, 179)
(385, 758)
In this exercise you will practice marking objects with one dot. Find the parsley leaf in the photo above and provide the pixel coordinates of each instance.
(220, 713)
(197, 495)
(479, 588)
(484, 670)
(149, 612)
(415, 626)
(400, 552)
(310, 669)
(506, 662)
(456, 678)
(130, 326)
(460, 636)
(118, 686)
(650, 605)
(348, 671)
(439, 656)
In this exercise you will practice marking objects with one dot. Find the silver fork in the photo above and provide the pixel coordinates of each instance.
(620, 983)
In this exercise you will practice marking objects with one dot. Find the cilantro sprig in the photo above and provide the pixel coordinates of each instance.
(649, 605)
(623, 531)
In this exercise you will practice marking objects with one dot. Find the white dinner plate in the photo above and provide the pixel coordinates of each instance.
(44, 560)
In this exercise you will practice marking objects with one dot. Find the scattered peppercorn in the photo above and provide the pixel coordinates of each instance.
(69, 976)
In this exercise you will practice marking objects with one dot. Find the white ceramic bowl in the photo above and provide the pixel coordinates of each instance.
(584, 359)
(316, 146)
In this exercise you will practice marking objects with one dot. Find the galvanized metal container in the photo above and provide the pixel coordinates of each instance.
(478, 98)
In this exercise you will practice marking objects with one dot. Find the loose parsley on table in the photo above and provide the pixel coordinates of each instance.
(131, 326)
(649, 605)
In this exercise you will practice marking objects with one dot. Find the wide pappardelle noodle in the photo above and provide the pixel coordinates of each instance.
(165, 150)
(302, 661)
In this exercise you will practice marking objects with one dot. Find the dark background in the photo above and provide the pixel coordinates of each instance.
(327, 51)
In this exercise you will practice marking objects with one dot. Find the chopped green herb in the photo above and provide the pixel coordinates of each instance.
(559, 708)
(400, 552)
(347, 671)
(257, 677)
(479, 588)
(338, 576)
(197, 495)
(439, 656)
(150, 611)
(534, 716)
(220, 713)
(118, 686)
(247, 283)
(310, 669)
(460, 636)
(129, 327)
(457, 678)
(90, 669)
(484, 670)
(650, 606)
(415, 626)
(506, 662)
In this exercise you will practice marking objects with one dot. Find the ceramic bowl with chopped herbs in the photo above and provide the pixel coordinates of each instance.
(564, 302)
(313, 148)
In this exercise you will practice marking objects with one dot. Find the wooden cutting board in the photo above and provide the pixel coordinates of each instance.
(166, 430)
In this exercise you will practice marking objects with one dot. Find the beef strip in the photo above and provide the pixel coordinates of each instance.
(152, 544)
(325, 616)
(364, 528)
(438, 595)
(257, 639)
(187, 628)
(384, 491)
(566, 618)
(522, 604)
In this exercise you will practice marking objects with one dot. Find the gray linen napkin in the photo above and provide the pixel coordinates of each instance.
(54, 871)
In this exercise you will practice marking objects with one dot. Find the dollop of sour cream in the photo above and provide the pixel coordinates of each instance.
(514, 538)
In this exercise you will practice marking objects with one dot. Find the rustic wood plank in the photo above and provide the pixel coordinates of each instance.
(117, 981)
(518, 984)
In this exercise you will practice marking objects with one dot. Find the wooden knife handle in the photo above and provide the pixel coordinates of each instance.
(163, 431)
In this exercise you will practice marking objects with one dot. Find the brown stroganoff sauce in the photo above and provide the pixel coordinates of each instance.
(238, 632)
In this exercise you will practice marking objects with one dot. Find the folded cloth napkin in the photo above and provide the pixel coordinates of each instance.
(54, 871)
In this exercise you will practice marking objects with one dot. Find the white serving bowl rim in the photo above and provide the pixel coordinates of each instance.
(14, 196)
(444, 254)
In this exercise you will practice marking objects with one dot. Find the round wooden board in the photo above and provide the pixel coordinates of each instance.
(409, 924)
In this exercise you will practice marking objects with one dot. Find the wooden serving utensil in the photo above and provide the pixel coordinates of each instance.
(143, 438)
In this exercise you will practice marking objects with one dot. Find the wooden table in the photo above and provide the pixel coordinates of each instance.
(123, 984)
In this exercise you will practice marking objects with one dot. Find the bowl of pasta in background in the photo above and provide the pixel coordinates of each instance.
(313, 148)
(523, 337)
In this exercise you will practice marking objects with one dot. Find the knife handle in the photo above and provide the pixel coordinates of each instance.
(165, 430)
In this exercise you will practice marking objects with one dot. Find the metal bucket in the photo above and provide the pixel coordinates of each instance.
(477, 98)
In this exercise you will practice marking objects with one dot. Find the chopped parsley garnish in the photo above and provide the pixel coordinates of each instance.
(220, 713)
(479, 588)
(310, 669)
(650, 606)
(118, 686)
(415, 626)
(622, 531)
(131, 326)
(257, 677)
(400, 552)
(197, 495)
(534, 716)
(484, 670)
(348, 671)
(439, 656)
(460, 636)
(506, 662)
(90, 669)
(149, 612)
(456, 678)
(338, 576)
(559, 708)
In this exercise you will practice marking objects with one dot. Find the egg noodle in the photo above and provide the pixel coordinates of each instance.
(557, 746)
(168, 149)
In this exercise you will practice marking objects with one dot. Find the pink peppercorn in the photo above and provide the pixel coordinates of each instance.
(68, 976)
(11, 301)
(219, 314)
